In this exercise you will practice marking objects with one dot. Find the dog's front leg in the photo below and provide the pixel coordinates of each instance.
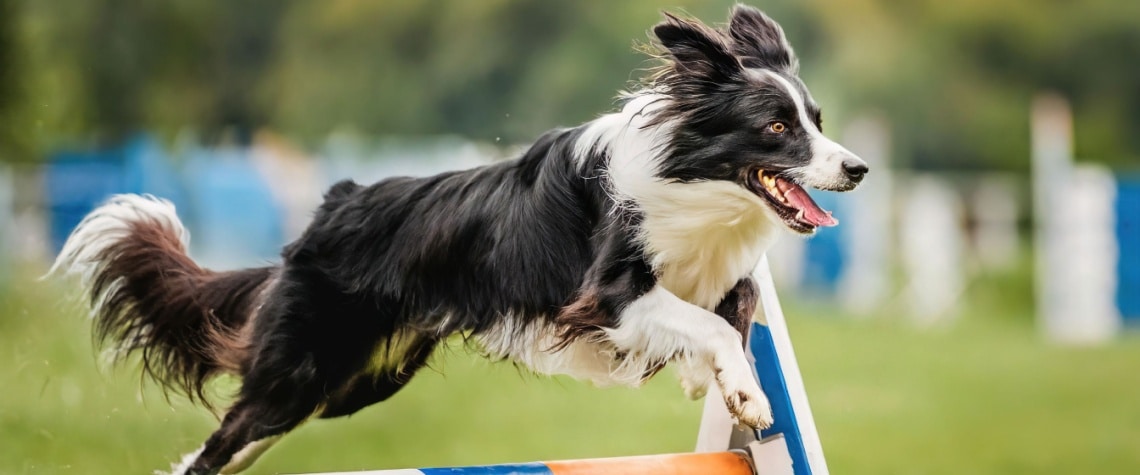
(736, 308)
(659, 326)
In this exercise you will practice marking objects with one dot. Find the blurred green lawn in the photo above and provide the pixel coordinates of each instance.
(985, 396)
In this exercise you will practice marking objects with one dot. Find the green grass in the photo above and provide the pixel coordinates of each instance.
(985, 396)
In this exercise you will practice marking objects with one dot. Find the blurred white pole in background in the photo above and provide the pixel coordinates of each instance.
(786, 258)
(930, 224)
(1084, 258)
(7, 222)
(1051, 165)
(865, 282)
(294, 178)
(995, 209)
(1074, 242)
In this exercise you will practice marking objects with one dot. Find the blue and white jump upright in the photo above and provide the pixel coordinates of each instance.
(790, 447)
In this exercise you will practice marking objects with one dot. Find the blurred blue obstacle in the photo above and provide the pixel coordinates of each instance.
(220, 195)
(1128, 238)
(149, 169)
(237, 221)
(825, 253)
(74, 183)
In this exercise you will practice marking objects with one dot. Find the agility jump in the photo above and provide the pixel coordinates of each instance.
(726, 463)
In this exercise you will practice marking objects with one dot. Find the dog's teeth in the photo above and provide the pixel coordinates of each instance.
(775, 190)
(769, 183)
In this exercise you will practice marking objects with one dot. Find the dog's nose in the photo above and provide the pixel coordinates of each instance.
(855, 169)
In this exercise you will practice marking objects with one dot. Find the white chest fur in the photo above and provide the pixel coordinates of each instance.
(704, 237)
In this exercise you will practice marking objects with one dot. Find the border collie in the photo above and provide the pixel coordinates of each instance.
(604, 252)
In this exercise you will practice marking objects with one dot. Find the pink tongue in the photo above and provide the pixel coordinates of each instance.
(810, 213)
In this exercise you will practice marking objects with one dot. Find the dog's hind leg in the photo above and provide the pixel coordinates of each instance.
(262, 414)
(246, 432)
(271, 405)
(283, 381)
(249, 454)
(371, 388)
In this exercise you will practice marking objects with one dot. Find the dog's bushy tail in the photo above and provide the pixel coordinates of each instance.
(148, 297)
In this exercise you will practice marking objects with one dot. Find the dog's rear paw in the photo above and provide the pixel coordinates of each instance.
(695, 383)
(693, 390)
(695, 377)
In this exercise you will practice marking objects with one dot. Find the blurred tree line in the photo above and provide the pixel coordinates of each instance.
(954, 79)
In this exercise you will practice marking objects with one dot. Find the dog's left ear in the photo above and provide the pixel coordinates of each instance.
(759, 41)
(697, 50)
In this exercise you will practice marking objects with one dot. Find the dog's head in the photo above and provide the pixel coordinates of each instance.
(739, 113)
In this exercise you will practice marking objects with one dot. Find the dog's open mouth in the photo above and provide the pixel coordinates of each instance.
(790, 201)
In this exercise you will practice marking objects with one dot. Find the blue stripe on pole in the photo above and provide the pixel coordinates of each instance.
(536, 468)
(1128, 240)
(772, 381)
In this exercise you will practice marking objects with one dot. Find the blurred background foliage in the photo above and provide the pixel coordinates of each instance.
(954, 79)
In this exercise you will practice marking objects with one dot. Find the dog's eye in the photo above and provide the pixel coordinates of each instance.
(777, 127)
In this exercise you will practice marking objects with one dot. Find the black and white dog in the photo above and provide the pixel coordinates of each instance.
(604, 252)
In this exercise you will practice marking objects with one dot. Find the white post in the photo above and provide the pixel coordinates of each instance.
(1082, 260)
(865, 282)
(7, 223)
(994, 206)
(932, 245)
(1051, 125)
(1075, 245)
(294, 179)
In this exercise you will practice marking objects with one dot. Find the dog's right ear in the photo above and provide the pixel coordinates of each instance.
(696, 49)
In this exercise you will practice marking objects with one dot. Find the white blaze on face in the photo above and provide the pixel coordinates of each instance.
(825, 171)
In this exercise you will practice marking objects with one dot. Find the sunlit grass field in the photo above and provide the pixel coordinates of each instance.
(984, 396)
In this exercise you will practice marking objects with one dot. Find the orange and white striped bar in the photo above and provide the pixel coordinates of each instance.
(723, 463)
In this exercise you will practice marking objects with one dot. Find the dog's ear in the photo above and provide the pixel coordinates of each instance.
(759, 41)
(697, 50)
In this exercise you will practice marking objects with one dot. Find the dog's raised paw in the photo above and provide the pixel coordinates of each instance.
(752, 410)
